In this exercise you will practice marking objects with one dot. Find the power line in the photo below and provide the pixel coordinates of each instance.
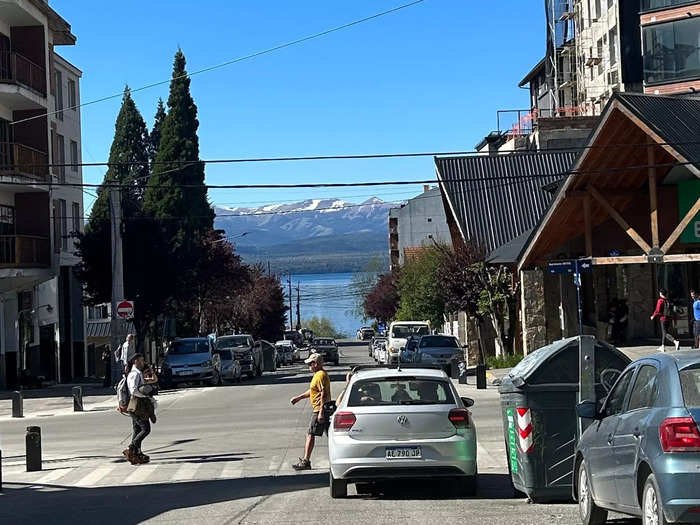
(233, 61)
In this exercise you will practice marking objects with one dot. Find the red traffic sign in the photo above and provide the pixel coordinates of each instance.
(125, 310)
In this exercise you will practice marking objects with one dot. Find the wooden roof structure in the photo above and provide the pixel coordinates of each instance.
(639, 141)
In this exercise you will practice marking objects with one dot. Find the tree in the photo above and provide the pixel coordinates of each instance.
(363, 282)
(382, 302)
(420, 297)
(156, 131)
(260, 308)
(323, 327)
(496, 298)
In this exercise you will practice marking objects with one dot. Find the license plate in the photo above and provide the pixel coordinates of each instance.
(403, 453)
(186, 372)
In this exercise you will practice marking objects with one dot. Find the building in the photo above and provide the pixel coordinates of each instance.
(419, 222)
(41, 320)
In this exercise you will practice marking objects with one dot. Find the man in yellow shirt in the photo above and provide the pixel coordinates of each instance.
(319, 392)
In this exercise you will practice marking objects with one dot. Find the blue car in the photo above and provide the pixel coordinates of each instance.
(640, 454)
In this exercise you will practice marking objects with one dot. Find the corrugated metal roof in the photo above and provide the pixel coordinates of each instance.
(492, 210)
(102, 328)
(674, 119)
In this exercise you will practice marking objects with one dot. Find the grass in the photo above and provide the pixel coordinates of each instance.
(504, 361)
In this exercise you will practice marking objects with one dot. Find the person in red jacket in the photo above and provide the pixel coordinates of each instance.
(664, 311)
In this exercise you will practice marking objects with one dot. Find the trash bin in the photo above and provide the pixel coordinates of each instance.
(538, 405)
(269, 357)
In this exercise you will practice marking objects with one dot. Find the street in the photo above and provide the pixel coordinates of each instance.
(224, 454)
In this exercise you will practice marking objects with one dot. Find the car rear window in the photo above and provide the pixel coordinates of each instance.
(188, 347)
(690, 385)
(400, 391)
(438, 341)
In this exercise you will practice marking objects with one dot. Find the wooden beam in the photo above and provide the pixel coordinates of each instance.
(619, 194)
(619, 220)
(681, 226)
(587, 224)
(623, 259)
(653, 208)
(682, 257)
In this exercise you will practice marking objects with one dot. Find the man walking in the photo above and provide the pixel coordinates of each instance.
(140, 409)
(107, 361)
(696, 317)
(125, 351)
(664, 311)
(319, 392)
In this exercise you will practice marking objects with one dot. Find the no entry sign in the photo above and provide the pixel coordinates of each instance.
(125, 310)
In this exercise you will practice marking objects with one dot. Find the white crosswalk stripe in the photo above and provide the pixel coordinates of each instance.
(231, 471)
(140, 474)
(185, 472)
(95, 476)
(53, 476)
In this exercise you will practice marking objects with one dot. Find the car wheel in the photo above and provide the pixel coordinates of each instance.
(588, 511)
(652, 506)
(339, 487)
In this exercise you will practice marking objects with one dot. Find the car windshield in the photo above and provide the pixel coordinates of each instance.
(438, 341)
(233, 341)
(188, 347)
(226, 355)
(690, 384)
(406, 331)
(400, 391)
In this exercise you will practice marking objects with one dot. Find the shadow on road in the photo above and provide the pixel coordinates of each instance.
(47, 504)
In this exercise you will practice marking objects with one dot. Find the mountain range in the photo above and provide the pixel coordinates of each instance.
(310, 236)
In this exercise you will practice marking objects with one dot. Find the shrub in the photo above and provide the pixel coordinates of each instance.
(504, 361)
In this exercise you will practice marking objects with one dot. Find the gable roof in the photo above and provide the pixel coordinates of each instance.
(492, 209)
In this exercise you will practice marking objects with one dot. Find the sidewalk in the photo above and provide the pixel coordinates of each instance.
(57, 400)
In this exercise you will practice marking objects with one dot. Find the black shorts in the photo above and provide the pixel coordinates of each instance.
(696, 328)
(316, 428)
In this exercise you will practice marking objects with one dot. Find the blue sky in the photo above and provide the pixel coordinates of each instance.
(427, 78)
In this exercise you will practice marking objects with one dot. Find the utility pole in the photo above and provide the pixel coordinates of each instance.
(291, 310)
(298, 308)
(117, 326)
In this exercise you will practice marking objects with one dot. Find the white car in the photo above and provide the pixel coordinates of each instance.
(399, 332)
(288, 349)
(393, 424)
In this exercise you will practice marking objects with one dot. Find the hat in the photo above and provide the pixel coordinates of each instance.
(314, 358)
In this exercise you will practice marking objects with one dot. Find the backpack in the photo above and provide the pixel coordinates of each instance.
(668, 309)
(122, 395)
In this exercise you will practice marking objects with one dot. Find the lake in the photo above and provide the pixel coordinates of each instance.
(326, 295)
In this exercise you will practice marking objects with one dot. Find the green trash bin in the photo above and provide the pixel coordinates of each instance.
(538, 404)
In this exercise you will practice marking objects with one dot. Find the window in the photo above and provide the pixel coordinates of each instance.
(612, 46)
(56, 227)
(659, 4)
(645, 388)
(598, 9)
(64, 223)
(59, 95)
(72, 99)
(74, 156)
(387, 391)
(616, 398)
(76, 217)
(599, 48)
(96, 313)
(690, 386)
(61, 156)
(672, 51)
(7, 232)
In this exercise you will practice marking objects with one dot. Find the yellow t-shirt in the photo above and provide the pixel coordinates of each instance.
(320, 390)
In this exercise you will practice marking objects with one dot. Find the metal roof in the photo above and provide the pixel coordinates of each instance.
(492, 210)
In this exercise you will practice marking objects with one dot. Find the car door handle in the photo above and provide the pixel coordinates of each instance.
(610, 439)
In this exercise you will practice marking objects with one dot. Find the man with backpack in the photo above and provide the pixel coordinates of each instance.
(664, 311)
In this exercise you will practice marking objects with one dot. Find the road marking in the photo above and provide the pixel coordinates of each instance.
(274, 463)
(185, 472)
(54, 475)
(231, 470)
(140, 474)
(96, 475)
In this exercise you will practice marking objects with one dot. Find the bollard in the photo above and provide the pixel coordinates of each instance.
(77, 399)
(17, 404)
(33, 449)
(481, 377)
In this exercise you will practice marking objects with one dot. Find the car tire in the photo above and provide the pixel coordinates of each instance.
(339, 487)
(589, 512)
(652, 506)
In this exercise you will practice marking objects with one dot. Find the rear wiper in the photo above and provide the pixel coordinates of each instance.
(416, 402)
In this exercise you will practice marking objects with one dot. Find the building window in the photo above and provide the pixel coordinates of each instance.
(56, 227)
(672, 51)
(99, 312)
(7, 235)
(76, 217)
(64, 223)
(612, 46)
(660, 4)
(59, 95)
(598, 9)
(74, 156)
(61, 157)
(72, 99)
(600, 56)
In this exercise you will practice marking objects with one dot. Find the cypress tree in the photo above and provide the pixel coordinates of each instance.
(156, 131)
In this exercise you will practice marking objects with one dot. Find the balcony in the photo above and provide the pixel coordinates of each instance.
(24, 251)
(23, 82)
(18, 160)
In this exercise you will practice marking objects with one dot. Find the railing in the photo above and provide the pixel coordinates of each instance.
(24, 251)
(15, 67)
(18, 159)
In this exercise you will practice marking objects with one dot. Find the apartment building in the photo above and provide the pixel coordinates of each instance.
(671, 43)
(41, 321)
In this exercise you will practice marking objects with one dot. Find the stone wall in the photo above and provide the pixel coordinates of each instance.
(638, 288)
(532, 309)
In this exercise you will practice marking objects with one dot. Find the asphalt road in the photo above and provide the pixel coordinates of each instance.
(223, 455)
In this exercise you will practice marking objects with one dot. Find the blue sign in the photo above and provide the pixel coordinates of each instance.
(569, 267)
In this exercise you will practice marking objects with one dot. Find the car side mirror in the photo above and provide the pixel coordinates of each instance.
(468, 401)
(588, 410)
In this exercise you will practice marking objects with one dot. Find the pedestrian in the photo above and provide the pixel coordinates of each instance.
(319, 392)
(124, 351)
(107, 361)
(696, 317)
(141, 408)
(664, 311)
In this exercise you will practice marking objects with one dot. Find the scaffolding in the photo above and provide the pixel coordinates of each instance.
(562, 67)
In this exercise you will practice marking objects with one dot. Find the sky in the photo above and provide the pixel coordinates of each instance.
(430, 77)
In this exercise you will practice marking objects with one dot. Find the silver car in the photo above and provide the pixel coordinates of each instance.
(409, 423)
(190, 360)
(438, 350)
(230, 366)
(640, 454)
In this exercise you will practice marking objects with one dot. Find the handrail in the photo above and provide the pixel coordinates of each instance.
(29, 72)
(24, 160)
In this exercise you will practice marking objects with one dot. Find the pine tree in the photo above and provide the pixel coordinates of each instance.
(156, 131)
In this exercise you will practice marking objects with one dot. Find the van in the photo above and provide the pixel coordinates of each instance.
(399, 332)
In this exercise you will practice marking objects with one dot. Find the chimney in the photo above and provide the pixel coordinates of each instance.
(426, 187)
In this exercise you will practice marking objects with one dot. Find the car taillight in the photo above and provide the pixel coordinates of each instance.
(459, 417)
(344, 420)
(679, 434)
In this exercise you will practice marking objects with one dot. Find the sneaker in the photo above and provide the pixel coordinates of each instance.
(661, 349)
(302, 464)
(677, 344)
(143, 458)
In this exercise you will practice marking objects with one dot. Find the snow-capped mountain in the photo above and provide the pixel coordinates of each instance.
(275, 224)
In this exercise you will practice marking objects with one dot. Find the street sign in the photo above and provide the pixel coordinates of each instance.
(569, 267)
(125, 310)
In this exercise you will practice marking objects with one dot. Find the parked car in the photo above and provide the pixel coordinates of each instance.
(295, 337)
(376, 344)
(408, 423)
(245, 351)
(409, 353)
(230, 366)
(365, 333)
(192, 359)
(328, 348)
(286, 349)
(640, 454)
(382, 353)
(399, 332)
(438, 350)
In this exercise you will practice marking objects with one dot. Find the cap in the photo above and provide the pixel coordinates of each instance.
(314, 358)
